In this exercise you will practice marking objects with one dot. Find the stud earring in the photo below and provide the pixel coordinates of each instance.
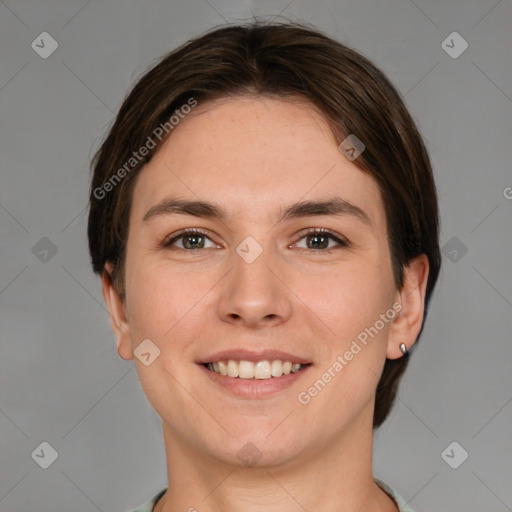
(403, 348)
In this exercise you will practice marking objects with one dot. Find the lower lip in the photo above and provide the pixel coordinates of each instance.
(254, 388)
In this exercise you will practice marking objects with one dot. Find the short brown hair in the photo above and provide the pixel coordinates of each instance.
(282, 60)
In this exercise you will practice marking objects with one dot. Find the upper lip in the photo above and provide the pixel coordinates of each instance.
(252, 355)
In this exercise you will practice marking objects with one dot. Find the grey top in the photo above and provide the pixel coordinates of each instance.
(401, 503)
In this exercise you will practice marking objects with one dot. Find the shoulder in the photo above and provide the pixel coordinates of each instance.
(401, 503)
(148, 507)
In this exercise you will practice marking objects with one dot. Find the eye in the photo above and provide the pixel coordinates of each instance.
(194, 239)
(190, 239)
(319, 238)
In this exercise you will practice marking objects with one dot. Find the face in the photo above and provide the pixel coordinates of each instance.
(261, 282)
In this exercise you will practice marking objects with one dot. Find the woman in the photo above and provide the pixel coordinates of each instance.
(264, 219)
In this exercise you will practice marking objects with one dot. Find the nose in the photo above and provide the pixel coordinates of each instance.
(255, 295)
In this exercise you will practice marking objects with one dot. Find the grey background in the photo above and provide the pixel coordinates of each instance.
(61, 380)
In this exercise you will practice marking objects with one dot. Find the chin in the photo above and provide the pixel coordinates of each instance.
(256, 451)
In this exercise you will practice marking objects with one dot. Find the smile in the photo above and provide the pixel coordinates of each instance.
(263, 369)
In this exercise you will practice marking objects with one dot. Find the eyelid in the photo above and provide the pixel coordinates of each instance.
(170, 239)
(341, 240)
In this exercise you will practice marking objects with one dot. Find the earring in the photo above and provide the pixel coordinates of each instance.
(403, 348)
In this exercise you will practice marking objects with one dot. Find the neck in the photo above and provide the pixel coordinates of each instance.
(333, 477)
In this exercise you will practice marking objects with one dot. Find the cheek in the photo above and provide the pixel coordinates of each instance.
(161, 297)
(350, 303)
(351, 298)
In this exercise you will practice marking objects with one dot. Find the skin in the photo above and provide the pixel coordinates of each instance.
(254, 155)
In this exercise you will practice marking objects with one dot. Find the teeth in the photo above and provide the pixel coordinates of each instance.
(262, 370)
(276, 369)
(249, 370)
(232, 368)
(223, 368)
(245, 369)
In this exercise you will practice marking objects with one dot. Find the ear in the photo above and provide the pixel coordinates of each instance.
(406, 325)
(116, 308)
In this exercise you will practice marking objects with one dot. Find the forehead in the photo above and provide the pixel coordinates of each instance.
(252, 154)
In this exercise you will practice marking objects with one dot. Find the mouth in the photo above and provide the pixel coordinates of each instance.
(257, 370)
(251, 374)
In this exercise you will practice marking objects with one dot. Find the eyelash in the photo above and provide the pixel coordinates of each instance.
(167, 243)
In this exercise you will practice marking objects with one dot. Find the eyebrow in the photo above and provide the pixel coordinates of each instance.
(335, 206)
